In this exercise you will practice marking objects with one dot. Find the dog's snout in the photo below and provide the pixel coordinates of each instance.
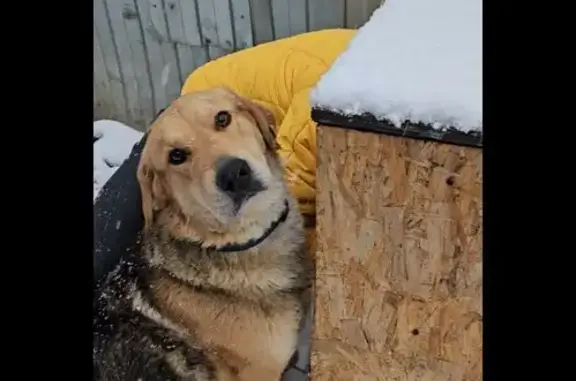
(235, 178)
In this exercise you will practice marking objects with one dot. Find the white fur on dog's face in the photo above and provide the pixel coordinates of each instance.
(189, 124)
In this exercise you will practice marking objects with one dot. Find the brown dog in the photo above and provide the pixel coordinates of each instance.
(223, 283)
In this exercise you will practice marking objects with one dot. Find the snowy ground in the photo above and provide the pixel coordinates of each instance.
(113, 143)
(415, 60)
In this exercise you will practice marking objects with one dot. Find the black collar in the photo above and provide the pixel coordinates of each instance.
(230, 247)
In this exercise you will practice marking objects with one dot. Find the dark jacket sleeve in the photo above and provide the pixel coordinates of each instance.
(118, 218)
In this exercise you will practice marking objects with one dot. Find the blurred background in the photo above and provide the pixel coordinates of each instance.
(145, 49)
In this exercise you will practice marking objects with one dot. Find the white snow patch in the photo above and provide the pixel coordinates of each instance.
(415, 60)
(111, 149)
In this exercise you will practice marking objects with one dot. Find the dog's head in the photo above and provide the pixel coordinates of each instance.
(210, 161)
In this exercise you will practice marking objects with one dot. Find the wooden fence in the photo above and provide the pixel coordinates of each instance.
(145, 49)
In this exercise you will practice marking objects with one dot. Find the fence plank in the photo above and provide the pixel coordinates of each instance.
(110, 58)
(209, 28)
(102, 107)
(170, 75)
(191, 57)
(161, 52)
(359, 11)
(186, 60)
(176, 35)
(223, 17)
(128, 27)
(281, 18)
(207, 22)
(182, 22)
(125, 59)
(200, 57)
(326, 14)
(262, 23)
(242, 24)
(135, 33)
(190, 22)
(185, 33)
(289, 17)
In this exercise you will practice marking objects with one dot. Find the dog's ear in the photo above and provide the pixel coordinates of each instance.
(153, 193)
(265, 121)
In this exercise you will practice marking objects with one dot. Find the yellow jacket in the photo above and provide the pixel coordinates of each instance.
(278, 75)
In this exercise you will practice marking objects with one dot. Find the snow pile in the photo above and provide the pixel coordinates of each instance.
(115, 141)
(415, 60)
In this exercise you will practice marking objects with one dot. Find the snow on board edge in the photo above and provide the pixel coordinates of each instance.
(416, 61)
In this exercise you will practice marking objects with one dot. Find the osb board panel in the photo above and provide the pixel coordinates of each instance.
(399, 259)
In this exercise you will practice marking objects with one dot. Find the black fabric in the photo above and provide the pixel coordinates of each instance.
(118, 218)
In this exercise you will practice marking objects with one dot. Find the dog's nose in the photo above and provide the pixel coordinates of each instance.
(235, 178)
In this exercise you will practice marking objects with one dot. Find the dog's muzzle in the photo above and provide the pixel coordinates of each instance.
(235, 178)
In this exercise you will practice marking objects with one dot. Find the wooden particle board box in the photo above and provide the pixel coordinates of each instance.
(399, 254)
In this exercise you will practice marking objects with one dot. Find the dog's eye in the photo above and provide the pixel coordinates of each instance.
(177, 156)
(222, 119)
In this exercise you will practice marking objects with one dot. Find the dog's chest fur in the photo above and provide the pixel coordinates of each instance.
(254, 339)
(190, 314)
(243, 309)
